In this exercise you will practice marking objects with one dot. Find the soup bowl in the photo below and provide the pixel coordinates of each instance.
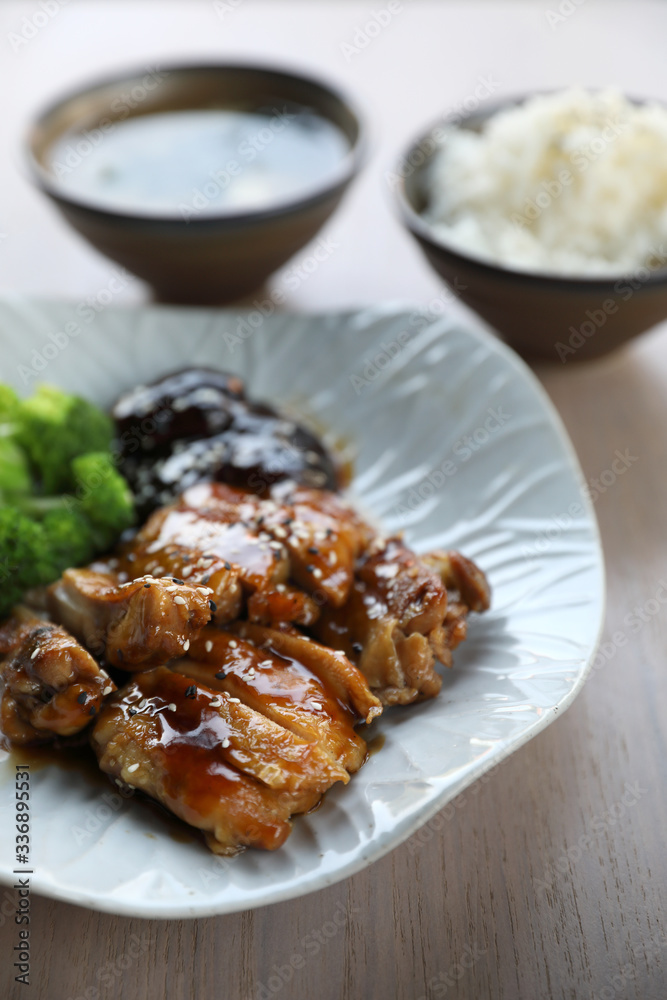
(196, 251)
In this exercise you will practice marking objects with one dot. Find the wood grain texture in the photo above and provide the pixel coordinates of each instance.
(496, 897)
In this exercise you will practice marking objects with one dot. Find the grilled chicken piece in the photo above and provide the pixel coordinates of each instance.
(318, 534)
(465, 582)
(397, 620)
(52, 686)
(211, 760)
(245, 548)
(467, 590)
(286, 604)
(283, 689)
(227, 556)
(331, 666)
(136, 625)
(324, 536)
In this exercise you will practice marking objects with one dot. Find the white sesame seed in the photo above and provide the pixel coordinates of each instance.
(35, 653)
(233, 643)
(237, 701)
(142, 703)
(170, 590)
(317, 573)
(108, 689)
(171, 707)
(132, 768)
(225, 743)
(280, 532)
(281, 588)
(209, 645)
(266, 663)
(215, 703)
(333, 558)
(276, 545)
(179, 600)
(251, 672)
(186, 571)
(186, 645)
(316, 705)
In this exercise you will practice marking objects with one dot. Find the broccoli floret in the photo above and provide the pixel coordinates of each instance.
(35, 552)
(53, 428)
(15, 477)
(69, 539)
(21, 556)
(9, 404)
(103, 496)
(79, 504)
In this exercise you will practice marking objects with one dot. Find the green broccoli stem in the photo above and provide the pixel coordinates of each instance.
(38, 507)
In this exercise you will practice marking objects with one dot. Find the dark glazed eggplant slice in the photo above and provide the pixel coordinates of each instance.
(197, 425)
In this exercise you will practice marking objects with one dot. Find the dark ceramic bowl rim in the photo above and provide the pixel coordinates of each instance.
(344, 172)
(421, 229)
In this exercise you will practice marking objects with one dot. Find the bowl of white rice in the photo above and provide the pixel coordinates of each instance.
(547, 215)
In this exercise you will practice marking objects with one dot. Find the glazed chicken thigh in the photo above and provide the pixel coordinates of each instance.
(212, 760)
(136, 625)
(52, 686)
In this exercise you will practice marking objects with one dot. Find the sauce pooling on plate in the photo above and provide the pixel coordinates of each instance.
(200, 162)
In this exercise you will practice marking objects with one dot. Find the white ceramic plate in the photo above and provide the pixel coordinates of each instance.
(456, 443)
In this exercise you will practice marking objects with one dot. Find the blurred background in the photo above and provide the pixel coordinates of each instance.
(425, 59)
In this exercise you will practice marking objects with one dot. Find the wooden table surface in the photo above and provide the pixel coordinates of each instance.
(501, 901)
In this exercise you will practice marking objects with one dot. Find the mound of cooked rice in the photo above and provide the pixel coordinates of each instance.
(569, 183)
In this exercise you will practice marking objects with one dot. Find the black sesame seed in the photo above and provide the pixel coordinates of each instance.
(191, 692)
(81, 698)
(213, 606)
(206, 578)
(309, 568)
(132, 711)
(228, 565)
(92, 710)
(146, 586)
(313, 549)
(221, 675)
(357, 647)
(329, 532)
(179, 582)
